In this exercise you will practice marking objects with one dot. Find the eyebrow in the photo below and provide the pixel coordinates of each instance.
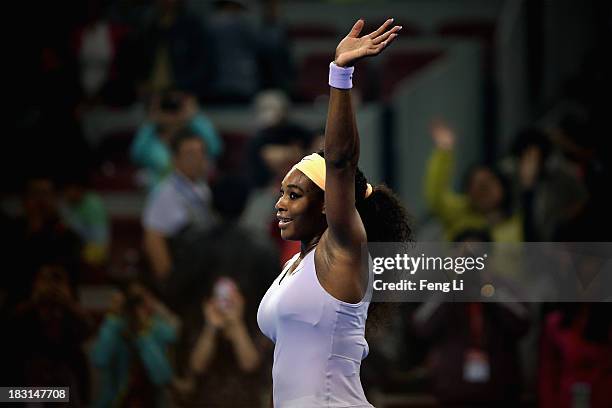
(295, 186)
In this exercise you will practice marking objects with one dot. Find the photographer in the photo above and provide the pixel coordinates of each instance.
(225, 360)
(169, 113)
(130, 350)
(49, 330)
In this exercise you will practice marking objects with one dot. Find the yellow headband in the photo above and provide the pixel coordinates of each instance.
(313, 167)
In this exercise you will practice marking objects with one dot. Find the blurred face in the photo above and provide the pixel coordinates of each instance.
(73, 194)
(191, 159)
(485, 191)
(300, 208)
(40, 199)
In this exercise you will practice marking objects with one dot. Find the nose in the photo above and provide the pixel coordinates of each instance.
(280, 206)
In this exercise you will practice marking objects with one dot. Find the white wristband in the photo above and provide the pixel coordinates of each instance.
(340, 77)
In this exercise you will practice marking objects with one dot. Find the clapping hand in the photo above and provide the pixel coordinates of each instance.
(353, 48)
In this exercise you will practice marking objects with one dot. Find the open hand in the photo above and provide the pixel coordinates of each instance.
(442, 135)
(352, 47)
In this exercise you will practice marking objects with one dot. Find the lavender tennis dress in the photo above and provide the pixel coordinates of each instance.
(319, 341)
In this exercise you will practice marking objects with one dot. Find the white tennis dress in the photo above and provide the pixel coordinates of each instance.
(319, 341)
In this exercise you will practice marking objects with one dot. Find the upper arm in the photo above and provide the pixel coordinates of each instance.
(440, 198)
(164, 213)
(343, 220)
(207, 132)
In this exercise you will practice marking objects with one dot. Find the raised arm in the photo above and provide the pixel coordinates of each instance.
(342, 139)
(440, 197)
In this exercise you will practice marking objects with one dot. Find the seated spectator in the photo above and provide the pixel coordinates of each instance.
(131, 350)
(235, 53)
(576, 356)
(486, 203)
(173, 51)
(179, 203)
(42, 237)
(49, 330)
(84, 212)
(169, 113)
(474, 356)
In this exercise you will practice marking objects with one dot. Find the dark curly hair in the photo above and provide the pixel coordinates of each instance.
(384, 217)
(385, 220)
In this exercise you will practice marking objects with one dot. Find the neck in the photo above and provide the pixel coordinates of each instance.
(308, 246)
(494, 216)
(180, 173)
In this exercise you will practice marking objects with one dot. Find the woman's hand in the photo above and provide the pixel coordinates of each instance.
(353, 48)
(235, 308)
(213, 317)
(442, 135)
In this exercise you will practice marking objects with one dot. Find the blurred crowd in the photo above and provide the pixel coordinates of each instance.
(178, 328)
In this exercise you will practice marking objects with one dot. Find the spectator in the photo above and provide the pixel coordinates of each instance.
(235, 53)
(486, 203)
(84, 212)
(576, 356)
(42, 238)
(279, 143)
(557, 190)
(474, 358)
(175, 53)
(276, 62)
(102, 52)
(225, 358)
(180, 203)
(131, 350)
(170, 112)
(49, 331)
(212, 254)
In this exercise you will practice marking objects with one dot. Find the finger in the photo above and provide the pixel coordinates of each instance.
(356, 29)
(378, 48)
(381, 29)
(386, 35)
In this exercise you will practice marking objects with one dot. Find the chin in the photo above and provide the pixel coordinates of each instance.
(287, 236)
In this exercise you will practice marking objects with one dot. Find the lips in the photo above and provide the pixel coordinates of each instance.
(283, 221)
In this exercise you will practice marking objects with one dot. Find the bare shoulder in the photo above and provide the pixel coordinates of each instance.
(339, 270)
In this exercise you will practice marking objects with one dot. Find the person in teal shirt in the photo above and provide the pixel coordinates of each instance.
(130, 350)
(170, 112)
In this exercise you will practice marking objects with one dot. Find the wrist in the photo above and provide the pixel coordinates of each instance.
(340, 77)
(235, 328)
(209, 329)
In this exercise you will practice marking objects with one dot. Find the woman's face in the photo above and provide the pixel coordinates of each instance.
(300, 208)
(485, 190)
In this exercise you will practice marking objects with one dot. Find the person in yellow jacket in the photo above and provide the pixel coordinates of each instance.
(486, 201)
